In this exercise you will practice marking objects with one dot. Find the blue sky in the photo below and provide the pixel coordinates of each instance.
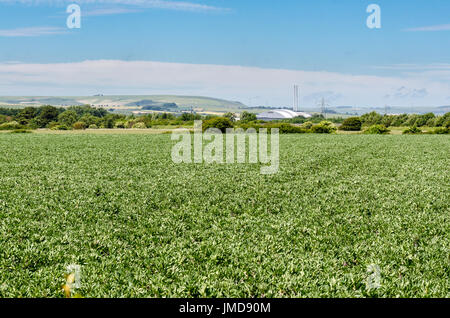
(310, 37)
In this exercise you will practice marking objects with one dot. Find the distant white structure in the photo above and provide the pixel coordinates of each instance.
(278, 114)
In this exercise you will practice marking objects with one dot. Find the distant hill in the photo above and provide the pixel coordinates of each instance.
(129, 102)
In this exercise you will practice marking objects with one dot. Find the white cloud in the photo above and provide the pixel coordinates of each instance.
(431, 28)
(231, 82)
(413, 67)
(432, 72)
(30, 32)
(108, 11)
(158, 4)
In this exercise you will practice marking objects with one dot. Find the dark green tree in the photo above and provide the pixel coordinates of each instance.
(68, 118)
(351, 124)
(247, 117)
(26, 115)
(47, 114)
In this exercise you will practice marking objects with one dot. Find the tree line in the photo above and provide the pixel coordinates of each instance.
(86, 116)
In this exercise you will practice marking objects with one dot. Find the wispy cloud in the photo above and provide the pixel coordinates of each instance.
(229, 82)
(108, 11)
(31, 32)
(413, 67)
(157, 4)
(405, 92)
(431, 28)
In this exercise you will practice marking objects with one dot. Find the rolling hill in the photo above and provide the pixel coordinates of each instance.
(128, 103)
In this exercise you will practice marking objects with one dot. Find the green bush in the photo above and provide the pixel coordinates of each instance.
(308, 125)
(139, 125)
(60, 127)
(120, 124)
(67, 118)
(220, 123)
(325, 127)
(247, 117)
(377, 130)
(290, 129)
(372, 118)
(93, 126)
(411, 131)
(12, 125)
(446, 123)
(79, 125)
(351, 124)
(21, 131)
(441, 131)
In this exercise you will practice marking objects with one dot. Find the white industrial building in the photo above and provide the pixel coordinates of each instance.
(279, 114)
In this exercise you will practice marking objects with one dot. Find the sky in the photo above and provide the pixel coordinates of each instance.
(253, 51)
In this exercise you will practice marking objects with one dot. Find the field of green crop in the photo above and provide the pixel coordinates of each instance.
(141, 226)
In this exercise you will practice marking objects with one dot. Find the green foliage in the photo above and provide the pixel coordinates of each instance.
(247, 117)
(12, 125)
(26, 115)
(140, 226)
(88, 110)
(316, 119)
(190, 117)
(290, 129)
(446, 123)
(68, 118)
(372, 118)
(351, 124)
(377, 130)
(79, 125)
(139, 125)
(423, 119)
(59, 127)
(20, 131)
(220, 123)
(441, 131)
(47, 114)
(399, 121)
(4, 119)
(412, 131)
(122, 124)
(90, 119)
(230, 116)
(308, 125)
(325, 127)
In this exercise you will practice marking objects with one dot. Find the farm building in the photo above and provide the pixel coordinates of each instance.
(278, 114)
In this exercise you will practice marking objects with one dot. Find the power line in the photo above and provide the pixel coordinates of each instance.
(295, 106)
(323, 107)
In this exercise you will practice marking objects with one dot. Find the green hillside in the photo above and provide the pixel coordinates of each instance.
(127, 102)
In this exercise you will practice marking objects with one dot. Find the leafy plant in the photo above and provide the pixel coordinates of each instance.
(79, 125)
(377, 130)
(412, 131)
(220, 123)
(441, 131)
(21, 131)
(12, 125)
(325, 127)
(247, 117)
(351, 124)
(139, 125)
